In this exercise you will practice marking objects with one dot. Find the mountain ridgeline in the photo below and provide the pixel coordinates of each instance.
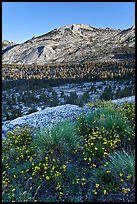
(76, 43)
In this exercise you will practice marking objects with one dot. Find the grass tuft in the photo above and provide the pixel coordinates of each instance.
(122, 161)
(62, 136)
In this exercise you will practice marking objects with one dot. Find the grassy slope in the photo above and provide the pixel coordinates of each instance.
(90, 160)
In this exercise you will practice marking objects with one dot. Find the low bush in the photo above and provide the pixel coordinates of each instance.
(84, 161)
(61, 136)
(115, 178)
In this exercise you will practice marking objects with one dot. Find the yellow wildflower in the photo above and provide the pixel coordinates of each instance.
(96, 148)
(125, 190)
(47, 178)
(97, 185)
(128, 176)
(83, 183)
(95, 193)
(108, 171)
(120, 174)
(60, 193)
(64, 166)
(94, 165)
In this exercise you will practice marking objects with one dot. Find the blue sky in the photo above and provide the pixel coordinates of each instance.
(23, 20)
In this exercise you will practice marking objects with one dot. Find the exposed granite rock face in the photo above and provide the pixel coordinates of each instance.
(119, 101)
(7, 43)
(44, 118)
(73, 43)
(50, 116)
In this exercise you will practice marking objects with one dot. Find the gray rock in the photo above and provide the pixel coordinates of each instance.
(53, 115)
(46, 117)
(72, 43)
(130, 99)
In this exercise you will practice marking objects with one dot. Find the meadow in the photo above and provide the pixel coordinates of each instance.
(89, 160)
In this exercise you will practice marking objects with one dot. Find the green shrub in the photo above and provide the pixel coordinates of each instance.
(107, 94)
(103, 130)
(122, 161)
(99, 103)
(72, 161)
(107, 117)
(21, 194)
(129, 111)
(114, 180)
(61, 136)
(32, 110)
(18, 137)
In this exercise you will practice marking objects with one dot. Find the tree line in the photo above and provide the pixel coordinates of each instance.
(84, 71)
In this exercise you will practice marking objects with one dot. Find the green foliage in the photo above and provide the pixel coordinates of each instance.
(107, 94)
(21, 194)
(127, 91)
(16, 113)
(129, 111)
(73, 162)
(85, 97)
(72, 99)
(122, 161)
(32, 110)
(18, 137)
(106, 116)
(99, 103)
(115, 177)
(62, 136)
(64, 72)
(110, 119)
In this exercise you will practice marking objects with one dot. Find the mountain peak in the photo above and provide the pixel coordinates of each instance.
(76, 27)
(73, 43)
(6, 43)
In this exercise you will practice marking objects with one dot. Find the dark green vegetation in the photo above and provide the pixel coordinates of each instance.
(24, 96)
(110, 94)
(26, 87)
(16, 98)
(90, 160)
(85, 71)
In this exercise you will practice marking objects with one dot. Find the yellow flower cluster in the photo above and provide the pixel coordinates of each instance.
(19, 137)
(126, 190)
(98, 144)
(52, 168)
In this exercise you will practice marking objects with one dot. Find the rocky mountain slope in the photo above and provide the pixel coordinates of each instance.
(74, 43)
(6, 43)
